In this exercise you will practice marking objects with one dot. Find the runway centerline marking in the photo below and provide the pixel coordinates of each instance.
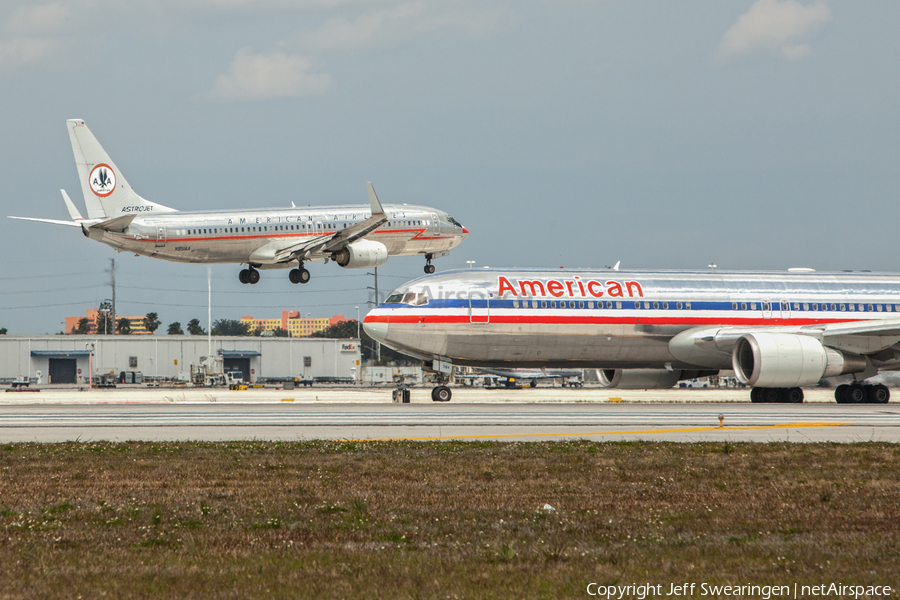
(518, 435)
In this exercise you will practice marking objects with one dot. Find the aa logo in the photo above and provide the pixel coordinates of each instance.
(102, 180)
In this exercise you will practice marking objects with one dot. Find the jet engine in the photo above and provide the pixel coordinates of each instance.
(784, 360)
(361, 255)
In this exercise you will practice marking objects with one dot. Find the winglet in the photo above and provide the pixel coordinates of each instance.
(73, 212)
(373, 200)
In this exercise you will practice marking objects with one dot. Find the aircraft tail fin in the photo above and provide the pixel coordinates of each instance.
(106, 192)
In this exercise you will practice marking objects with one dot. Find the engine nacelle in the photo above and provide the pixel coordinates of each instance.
(638, 379)
(362, 254)
(783, 360)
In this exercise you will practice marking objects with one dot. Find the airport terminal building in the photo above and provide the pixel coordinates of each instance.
(68, 358)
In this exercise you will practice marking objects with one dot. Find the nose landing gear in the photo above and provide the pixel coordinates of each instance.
(429, 268)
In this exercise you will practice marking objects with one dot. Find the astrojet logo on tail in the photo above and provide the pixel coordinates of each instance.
(102, 180)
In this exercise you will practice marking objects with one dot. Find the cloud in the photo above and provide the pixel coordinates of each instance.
(40, 19)
(778, 27)
(387, 27)
(23, 51)
(253, 77)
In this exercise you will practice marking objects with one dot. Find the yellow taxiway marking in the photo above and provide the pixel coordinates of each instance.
(519, 435)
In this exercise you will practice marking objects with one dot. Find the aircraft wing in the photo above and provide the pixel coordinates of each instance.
(76, 221)
(54, 221)
(859, 337)
(336, 241)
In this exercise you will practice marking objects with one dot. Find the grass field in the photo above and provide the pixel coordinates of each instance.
(440, 520)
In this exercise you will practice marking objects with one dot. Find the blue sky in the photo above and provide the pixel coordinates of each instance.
(755, 135)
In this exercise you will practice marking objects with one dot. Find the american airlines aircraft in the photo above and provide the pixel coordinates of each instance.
(355, 237)
(778, 331)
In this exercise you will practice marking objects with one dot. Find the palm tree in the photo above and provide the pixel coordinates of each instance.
(152, 322)
(123, 326)
(194, 327)
(175, 329)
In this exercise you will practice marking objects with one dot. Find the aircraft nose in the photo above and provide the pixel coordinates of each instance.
(376, 330)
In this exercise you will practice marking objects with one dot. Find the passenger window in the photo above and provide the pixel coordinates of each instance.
(734, 306)
(869, 308)
(678, 305)
(515, 304)
(637, 304)
(688, 306)
(743, 306)
(833, 307)
(753, 306)
(815, 306)
(665, 306)
(805, 306)
(878, 307)
(843, 307)
(581, 304)
(543, 304)
(796, 306)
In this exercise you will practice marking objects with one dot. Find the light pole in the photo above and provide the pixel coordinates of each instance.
(90, 348)
(470, 263)
(357, 324)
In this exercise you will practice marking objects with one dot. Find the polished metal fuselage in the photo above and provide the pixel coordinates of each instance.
(608, 318)
(233, 236)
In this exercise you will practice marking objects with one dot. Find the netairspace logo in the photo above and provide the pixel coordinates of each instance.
(649, 590)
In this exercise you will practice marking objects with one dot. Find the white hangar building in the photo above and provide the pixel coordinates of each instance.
(65, 358)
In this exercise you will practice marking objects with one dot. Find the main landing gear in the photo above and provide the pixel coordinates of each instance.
(857, 393)
(429, 268)
(250, 275)
(792, 395)
(441, 394)
(300, 275)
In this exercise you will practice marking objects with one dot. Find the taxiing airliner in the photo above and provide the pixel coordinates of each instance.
(355, 237)
(778, 331)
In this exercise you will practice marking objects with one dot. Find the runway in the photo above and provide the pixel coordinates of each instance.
(497, 421)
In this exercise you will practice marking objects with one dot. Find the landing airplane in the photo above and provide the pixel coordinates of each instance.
(778, 331)
(355, 237)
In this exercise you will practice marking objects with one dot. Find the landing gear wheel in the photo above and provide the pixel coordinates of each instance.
(877, 394)
(840, 393)
(771, 395)
(441, 394)
(429, 269)
(756, 395)
(252, 276)
(793, 395)
(300, 275)
(856, 394)
(244, 276)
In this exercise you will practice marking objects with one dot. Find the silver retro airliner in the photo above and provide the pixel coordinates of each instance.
(778, 331)
(355, 237)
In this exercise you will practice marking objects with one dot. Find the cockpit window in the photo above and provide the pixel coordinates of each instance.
(393, 298)
(454, 221)
(415, 299)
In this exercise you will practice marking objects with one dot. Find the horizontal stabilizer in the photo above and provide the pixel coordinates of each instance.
(118, 225)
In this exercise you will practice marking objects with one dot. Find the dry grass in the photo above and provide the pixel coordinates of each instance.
(429, 520)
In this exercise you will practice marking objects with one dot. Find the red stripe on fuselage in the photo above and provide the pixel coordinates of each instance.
(599, 320)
